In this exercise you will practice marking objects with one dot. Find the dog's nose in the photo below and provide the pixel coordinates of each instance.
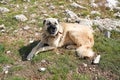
(53, 28)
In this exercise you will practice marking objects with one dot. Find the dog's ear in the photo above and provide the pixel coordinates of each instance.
(44, 22)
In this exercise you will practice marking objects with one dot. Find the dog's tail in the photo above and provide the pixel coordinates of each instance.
(85, 52)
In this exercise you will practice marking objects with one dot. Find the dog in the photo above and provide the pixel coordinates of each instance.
(57, 34)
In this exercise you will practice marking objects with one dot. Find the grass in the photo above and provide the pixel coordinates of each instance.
(58, 67)
(110, 51)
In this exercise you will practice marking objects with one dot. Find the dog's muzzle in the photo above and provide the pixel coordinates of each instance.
(52, 30)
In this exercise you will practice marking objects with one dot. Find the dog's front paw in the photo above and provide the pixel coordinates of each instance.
(30, 56)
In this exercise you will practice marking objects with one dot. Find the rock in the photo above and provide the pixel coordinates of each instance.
(107, 24)
(52, 7)
(2, 26)
(96, 60)
(8, 52)
(21, 17)
(62, 7)
(77, 5)
(111, 4)
(94, 5)
(26, 27)
(107, 34)
(71, 16)
(4, 10)
(95, 13)
(117, 15)
(85, 65)
(26, 0)
(43, 61)
(41, 69)
(31, 40)
(6, 69)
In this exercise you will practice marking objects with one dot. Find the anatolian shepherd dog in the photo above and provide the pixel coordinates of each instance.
(57, 34)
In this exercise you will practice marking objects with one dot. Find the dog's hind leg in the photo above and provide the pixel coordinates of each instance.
(84, 43)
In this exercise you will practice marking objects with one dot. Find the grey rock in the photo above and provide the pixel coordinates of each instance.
(6, 69)
(26, 27)
(26, 0)
(96, 60)
(107, 34)
(107, 24)
(74, 4)
(2, 26)
(71, 16)
(52, 7)
(42, 69)
(117, 15)
(21, 17)
(4, 10)
(95, 12)
(112, 4)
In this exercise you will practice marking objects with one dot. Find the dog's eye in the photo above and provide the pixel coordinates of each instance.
(55, 23)
(48, 23)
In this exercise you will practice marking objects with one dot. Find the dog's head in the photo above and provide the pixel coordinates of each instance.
(51, 26)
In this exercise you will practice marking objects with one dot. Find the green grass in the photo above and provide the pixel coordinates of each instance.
(4, 59)
(109, 48)
(16, 78)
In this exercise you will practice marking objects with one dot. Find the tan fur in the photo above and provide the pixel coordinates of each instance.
(69, 34)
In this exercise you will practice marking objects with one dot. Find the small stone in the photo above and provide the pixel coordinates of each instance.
(84, 64)
(117, 15)
(95, 12)
(52, 7)
(8, 52)
(62, 7)
(4, 10)
(36, 34)
(107, 34)
(26, 0)
(2, 26)
(31, 40)
(96, 60)
(21, 17)
(71, 16)
(41, 69)
(77, 6)
(43, 61)
(26, 27)
(6, 69)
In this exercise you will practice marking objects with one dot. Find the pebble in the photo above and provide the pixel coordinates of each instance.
(95, 12)
(117, 15)
(43, 61)
(31, 40)
(42, 69)
(6, 69)
(77, 6)
(71, 16)
(8, 52)
(52, 7)
(26, 27)
(4, 10)
(96, 60)
(85, 65)
(2, 26)
(21, 17)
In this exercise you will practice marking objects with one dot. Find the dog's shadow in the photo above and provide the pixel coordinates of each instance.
(25, 50)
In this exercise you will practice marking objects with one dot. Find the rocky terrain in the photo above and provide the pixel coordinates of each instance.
(20, 27)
